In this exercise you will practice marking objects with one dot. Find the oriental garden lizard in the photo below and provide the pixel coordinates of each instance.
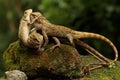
(32, 38)
(41, 23)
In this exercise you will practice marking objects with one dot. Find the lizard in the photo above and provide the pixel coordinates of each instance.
(41, 23)
(26, 36)
(36, 40)
(32, 38)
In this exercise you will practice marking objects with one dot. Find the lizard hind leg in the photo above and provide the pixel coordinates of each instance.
(70, 38)
(56, 45)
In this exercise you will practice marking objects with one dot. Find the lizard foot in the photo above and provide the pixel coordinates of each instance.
(56, 45)
(40, 49)
(85, 70)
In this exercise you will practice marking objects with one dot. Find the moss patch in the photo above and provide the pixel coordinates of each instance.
(63, 61)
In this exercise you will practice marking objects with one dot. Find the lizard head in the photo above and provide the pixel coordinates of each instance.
(36, 17)
(26, 15)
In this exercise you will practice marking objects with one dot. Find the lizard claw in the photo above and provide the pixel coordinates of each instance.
(54, 47)
(41, 49)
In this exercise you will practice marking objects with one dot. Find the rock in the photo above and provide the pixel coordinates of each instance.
(15, 75)
(62, 63)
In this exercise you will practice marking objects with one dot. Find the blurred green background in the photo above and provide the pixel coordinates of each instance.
(98, 16)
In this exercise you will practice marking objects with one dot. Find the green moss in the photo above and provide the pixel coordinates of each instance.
(64, 61)
(25, 59)
(104, 73)
(2, 78)
(10, 57)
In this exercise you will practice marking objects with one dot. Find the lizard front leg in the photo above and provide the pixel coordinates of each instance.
(46, 40)
(45, 37)
(57, 43)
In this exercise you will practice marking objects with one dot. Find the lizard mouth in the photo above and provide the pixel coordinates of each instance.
(27, 14)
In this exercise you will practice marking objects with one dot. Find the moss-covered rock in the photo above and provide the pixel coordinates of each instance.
(63, 62)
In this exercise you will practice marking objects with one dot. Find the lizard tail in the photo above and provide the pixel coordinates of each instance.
(80, 35)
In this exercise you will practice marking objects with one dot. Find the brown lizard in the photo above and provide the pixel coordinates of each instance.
(41, 23)
(32, 38)
(29, 38)
(36, 40)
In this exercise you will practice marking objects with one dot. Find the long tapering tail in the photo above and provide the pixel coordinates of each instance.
(80, 35)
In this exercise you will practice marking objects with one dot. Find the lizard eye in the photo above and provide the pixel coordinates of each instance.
(25, 12)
